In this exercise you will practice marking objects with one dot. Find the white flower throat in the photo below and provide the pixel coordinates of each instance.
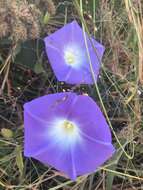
(73, 55)
(64, 132)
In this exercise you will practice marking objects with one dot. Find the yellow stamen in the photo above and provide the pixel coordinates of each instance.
(68, 126)
(69, 57)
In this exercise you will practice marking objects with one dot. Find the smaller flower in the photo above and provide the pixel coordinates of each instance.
(67, 54)
(68, 132)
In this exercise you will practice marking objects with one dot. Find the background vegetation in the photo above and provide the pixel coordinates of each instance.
(25, 74)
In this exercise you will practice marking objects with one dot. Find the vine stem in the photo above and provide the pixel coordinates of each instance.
(96, 86)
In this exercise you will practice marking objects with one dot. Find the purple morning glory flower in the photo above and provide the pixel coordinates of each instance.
(67, 131)
(67, 54)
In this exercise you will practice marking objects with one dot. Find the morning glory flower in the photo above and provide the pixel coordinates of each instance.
(67, 54)
(67, 131)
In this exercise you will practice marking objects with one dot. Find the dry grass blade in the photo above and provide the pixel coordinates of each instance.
(135, 15)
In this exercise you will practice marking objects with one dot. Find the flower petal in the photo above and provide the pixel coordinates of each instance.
(91, 120)
(67, 54)
(89, 155)
(68, 132)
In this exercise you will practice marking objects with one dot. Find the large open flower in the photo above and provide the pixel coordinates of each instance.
(67, 54)
(68, 132)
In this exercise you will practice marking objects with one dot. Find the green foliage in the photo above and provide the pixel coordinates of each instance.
(27, 54)
(19, 159)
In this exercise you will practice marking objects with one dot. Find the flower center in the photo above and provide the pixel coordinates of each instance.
(68, 126)
(73, 55)
(64, 132)
(69, 57)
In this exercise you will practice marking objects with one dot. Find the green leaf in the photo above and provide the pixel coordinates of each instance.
(29, 53)
(19, 160)
(16, 50)
(7, 133)
(110, 175)
(46, 18)
(38, 68)
(5, 42)
(1, 59)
